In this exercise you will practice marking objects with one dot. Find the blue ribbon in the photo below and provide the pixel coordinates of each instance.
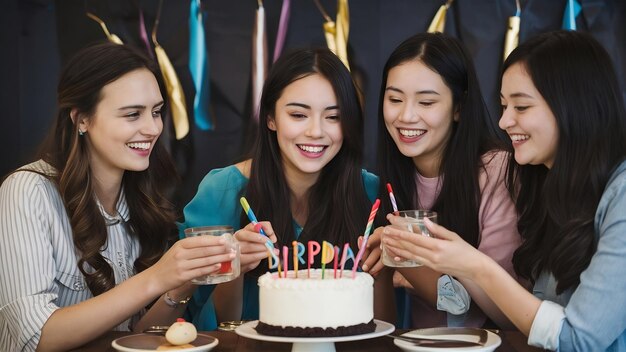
(572, 10)
(199, 68)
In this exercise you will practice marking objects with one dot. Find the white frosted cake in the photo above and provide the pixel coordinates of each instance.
(312, 307)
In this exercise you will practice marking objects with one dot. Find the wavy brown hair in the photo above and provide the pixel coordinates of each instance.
(151, 217)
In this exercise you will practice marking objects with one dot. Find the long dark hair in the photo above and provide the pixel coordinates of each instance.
(574, 75)
(338, 205)
(151, 215)
(472, 136)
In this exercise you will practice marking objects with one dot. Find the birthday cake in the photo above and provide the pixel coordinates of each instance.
(315, 307)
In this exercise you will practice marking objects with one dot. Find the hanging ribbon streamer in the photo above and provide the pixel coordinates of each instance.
(259, 60)
(172, 84)
(110, 36)
(199, 68)
(439, 21)
(572, 10)
(144, 34)
(337, 33)
(512, 34)
(282, 29)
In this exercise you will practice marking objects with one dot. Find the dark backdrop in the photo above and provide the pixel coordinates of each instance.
(37, 36)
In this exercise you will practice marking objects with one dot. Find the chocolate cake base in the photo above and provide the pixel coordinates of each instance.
(292, 331)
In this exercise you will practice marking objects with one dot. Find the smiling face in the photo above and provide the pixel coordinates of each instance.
(125, 126)
(527, 119)
(307, 126)
(418, 111)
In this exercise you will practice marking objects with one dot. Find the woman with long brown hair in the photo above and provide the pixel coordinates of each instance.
(86, 227)
(304, 179)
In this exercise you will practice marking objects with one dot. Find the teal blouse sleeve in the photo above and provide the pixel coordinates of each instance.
(217, 200)
(215, 203)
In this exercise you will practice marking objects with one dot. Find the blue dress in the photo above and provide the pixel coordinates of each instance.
(217, 203)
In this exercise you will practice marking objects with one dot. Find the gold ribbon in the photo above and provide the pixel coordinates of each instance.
(512, 35)
(175, 92)
(172, 85)
(110, 36)
(337, 33)
(439, 21)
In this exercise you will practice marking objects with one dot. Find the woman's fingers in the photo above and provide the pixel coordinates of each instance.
(399, 246)
(253, 247)
(256, 228)
(199, 263)
(409, 237)
(203, 271)
(374, 262)
(201, 241)
(269, 231)
(202, 252)
(439, 231)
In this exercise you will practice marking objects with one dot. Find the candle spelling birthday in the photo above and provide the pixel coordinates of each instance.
(327, 252)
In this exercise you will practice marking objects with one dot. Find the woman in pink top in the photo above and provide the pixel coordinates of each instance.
(437, 148)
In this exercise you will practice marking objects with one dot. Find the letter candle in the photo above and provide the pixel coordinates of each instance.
(272, 259)
(301, 251)
(270, 254)
(285, 261)
(392, 198)
(327, 255)
(347, 254)
(323, 258)
(313, 250)
(366, 235)
(294, 244)
(335, 261)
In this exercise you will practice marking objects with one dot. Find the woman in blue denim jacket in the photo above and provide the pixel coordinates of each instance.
(564, 113)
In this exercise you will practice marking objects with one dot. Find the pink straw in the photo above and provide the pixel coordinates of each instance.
(392, 197)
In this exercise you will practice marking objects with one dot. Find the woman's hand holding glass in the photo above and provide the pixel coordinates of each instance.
(190, 258)
(445, 251)
(252, 244)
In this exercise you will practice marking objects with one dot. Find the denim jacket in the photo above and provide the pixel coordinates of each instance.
(591, 317)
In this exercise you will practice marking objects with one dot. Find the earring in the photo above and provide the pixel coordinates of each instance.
(81, 132)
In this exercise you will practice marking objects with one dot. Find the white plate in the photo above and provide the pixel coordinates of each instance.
(149, 342)
(493, 341)
(247, 330)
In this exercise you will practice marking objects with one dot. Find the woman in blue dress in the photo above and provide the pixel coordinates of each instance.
(304, 179)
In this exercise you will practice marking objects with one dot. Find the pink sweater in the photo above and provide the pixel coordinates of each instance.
(497, 226)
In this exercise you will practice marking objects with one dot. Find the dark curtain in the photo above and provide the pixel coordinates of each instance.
(38, 36)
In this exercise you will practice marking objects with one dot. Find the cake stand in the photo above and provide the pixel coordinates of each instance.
(312, 344)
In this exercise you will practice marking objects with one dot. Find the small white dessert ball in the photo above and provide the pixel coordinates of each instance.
(181, 332)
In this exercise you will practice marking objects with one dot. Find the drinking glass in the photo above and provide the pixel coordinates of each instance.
(229, 270)
(412, 221)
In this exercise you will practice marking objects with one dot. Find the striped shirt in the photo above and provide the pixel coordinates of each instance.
(38, 262)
